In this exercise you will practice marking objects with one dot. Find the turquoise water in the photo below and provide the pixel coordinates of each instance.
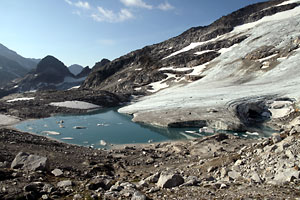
(108, 126)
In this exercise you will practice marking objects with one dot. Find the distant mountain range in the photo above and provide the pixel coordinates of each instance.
(19, 74)
(50, 73)
(75, 69)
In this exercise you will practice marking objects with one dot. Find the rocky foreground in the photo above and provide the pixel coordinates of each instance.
(215, 167)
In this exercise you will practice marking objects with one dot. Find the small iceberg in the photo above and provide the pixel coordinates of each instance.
(102, 124)
(79, 127)
(250, 133)
(206, 130)
(103, 143)
(51, 132)
(191, 132)
(67, 138)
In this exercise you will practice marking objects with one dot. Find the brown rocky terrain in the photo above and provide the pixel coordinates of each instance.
(215, 167)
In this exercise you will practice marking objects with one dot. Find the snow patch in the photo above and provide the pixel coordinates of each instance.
(7, 120)
(276, 17)
(267, 58)
(191, 46)
(156, 86)
(174, 69)
(288, 2)
(20, 99)
(203, 52)
(75, 105)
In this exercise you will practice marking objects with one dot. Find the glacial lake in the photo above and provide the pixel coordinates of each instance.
(107, 126)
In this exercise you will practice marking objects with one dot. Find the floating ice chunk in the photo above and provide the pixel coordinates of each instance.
(51, 132)
(67, 138)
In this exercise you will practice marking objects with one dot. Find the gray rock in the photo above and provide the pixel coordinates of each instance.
(116, 188)
(295, 129)
(100, 182)
(190, 181)
(286, 176)
(77, 197)
(211, 169)
(64, 184)
(48, 188)
(153, 178)
(223, 186)
(276, 138)
(223, 172)
(234, 175)
(142, 183)
(45, 197)
(35, 187)
(29, 162)
(4, 164)
(256, 178)
(290, 154)
(169, 180)
(57, 172)
(138, 196)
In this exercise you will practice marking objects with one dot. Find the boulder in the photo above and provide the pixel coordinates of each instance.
(29, 162)
(276, 138)
(99, 182)
(153, 178)
(57, 172)
(234, 175)
(64, 184)
(256, 178)
(169, 180)
(138, 196)
(286, 176)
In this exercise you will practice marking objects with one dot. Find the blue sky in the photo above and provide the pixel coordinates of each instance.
(85, 31)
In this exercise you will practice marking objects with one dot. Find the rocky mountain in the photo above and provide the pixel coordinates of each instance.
(50, 73)
(27, 63)
(84, 72)
(240, 71)
(75, 69)
(13, 66)
(10, 70)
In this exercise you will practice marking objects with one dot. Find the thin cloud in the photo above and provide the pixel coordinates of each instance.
(136, 3)
(106, 15)
(83, 5)
(166, 6)
(69, 2)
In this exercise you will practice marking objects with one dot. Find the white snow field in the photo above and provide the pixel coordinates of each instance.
(75, 105)
(226, 78)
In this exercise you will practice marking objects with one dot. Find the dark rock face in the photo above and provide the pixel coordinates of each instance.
(140, 68)
(85, 72)
(102, 63)
(51, 70)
